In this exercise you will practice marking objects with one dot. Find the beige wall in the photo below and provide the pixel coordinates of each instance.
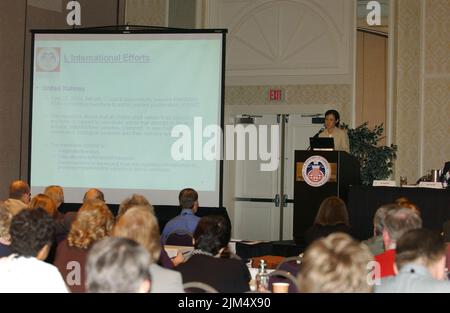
(335, 96)
(436, 105)
(422, 104)
(261, 36)
(12, 30)
(145, 12)
(407, 107)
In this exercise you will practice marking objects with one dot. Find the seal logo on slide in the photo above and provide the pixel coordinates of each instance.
(316, 171)
(48, 59)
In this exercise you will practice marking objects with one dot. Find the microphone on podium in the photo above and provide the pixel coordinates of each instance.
(319, 132)
(315, 136)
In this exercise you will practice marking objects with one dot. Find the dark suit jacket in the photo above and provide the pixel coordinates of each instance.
(4, 250)
(225, 275)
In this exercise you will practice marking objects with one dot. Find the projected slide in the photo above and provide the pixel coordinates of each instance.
(104, 105)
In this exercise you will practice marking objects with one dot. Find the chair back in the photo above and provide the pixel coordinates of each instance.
(179, 238)
(198, 287)
(291, 265)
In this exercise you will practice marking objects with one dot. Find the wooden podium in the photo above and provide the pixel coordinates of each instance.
(318, 175)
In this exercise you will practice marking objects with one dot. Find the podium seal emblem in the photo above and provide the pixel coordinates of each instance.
(316, 171)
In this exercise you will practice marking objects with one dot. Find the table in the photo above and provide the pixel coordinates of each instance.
(172, 251)
(363, 201)
(284, 248)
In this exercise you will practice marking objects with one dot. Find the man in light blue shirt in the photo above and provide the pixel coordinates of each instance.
(420, 259)
(187, 221)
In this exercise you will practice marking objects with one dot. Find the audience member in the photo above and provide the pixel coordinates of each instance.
(94, 194)
(376, 243)
(19, 196)
(56, 193)
(93, 222)
(336, 263)
(140, 201)
(420, 261)
(140, 225)
(332, 217)
(31, 233)
(446, 235)
(211, 237)
(63, 221)
(133, 201)
(117, 265)
(396, 223)
(44, 202)
(406, 203)
(5, 238)
(187, 221)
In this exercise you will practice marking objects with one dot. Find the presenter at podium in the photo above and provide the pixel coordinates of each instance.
(332, 130)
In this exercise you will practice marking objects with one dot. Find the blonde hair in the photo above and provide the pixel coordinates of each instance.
(56, 193)
(134, 200)
(5, 221)
(336, 263)
(44, 202)
(93, 222)
(139, 224)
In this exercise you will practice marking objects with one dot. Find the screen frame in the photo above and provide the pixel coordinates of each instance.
(130, 29)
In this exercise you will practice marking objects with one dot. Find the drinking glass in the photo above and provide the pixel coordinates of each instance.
(403, 181)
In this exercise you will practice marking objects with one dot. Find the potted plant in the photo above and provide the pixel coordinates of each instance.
(376, 161)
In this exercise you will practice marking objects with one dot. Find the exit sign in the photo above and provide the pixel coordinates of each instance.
(276, 95)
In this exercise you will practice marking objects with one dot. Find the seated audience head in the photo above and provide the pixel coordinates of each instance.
(134, 201)
(56, 193)
(332, 211)
(20, 190)
(140, 225)
(32, 233)
(396, 223)
(188, 199)
(336, 263)
(94, 194)
(5, 222)
(212, 234)
(44, 202)
(403, 202)
(117, 265)
(422, 247)
(380, 215)
(93, 221)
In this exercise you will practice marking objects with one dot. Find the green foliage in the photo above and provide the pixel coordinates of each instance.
(376, 161)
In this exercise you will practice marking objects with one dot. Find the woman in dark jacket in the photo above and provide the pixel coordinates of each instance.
(206, 265)
(332, 217)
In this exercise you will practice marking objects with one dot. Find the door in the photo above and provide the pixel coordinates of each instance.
(256, 212)
(257, 193)
(299, 128)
